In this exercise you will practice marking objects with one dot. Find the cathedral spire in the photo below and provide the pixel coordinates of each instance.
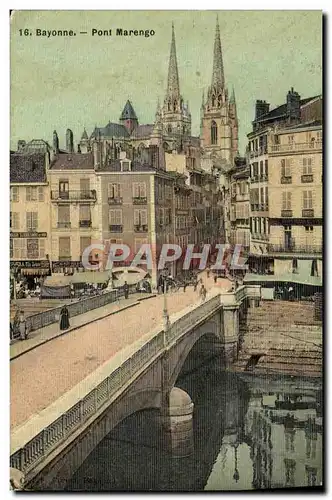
(232, 99)
(218, 67)
(173, 87)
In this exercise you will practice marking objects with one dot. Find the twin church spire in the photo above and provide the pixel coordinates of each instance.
(173, 86)
(218, 79)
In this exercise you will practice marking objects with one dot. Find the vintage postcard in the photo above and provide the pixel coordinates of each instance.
(166, 264)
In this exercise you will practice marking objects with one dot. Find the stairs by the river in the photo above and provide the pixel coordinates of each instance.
(281, 337)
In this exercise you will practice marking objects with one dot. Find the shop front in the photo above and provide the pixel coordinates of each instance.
(30, 271)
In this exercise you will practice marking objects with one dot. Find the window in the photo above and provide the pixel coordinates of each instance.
(261, 166)
(64, 248)
(266, 168)
(34, 193)
(32, 248)
(307, 166)
(214, 133)
(286, 200)
(85, 242)
(32, 221)
(286, 167)
(307, 199)
(290, 139)
(114, 190)
(85, 213)
(19, 248)
(14, 194)
(14, 220)
(140, 217)
(139, 190)
(309, 229)
(85, 186)
(115, 217)
(11, 254)
(267, 196)
(64, 214)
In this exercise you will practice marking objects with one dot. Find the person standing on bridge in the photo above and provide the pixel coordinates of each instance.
(202, 293)
(64, 318)
(22, 326)
(126, 290)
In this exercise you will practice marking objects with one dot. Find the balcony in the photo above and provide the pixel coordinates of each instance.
(286, 180)
(72, 196)
(264, 178)
(115, 228)
(258, 152)
(293, 248)
(255, 207)
(140, 200)
(141, 228)
(85, 223)
(286, 213)
(64, 258)
(307, 178)
(255, 178)
(114, 201)
(307, 212)
(296, 147)
(64, 225)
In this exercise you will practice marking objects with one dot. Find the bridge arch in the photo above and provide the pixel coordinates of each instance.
(209, 331)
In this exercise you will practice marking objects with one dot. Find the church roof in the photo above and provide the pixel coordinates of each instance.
(142, 131)
(84, 135)
(111, 130)
(128, 112)
(73, 161)
(27, 167)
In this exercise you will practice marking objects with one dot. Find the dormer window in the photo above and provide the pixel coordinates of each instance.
(125, 166)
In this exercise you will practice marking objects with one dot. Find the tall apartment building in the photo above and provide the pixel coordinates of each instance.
(30, 231)
(285, 158)
(240, 206)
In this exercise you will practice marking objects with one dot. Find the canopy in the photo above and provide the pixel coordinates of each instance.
(57, 280)
(289, 278)
(90, 277)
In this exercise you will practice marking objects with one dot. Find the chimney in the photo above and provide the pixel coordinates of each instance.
(293, 104)
(69, 141)
(262, 108)
(20, 145)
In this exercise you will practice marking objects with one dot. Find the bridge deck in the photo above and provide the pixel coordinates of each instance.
(41, 376)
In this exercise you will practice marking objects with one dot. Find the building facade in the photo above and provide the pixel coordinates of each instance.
(30, 230)
(285, 160)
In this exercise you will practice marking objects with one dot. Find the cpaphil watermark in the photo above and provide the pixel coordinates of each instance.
(228, 257)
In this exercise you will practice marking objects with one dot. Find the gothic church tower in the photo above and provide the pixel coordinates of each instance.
(219, 125)
(175, 115)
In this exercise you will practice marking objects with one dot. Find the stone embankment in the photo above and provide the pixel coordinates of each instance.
(281, 337)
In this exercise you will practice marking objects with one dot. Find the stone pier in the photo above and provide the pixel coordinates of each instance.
(177, 422)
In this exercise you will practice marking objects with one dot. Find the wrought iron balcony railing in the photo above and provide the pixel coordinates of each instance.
(62, 196)
(85, 223)
(307, 212)
(140, 200)
(307, 178)
(115, 200)
(64, 225)
(141, 228)
(116, 228)
(292, 247)
(286, 213)
(65, 257)
(286, 179)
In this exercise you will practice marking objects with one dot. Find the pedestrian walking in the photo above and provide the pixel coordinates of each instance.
(195, 284)
(184, 286)
(208, 272)
(215, 277)
(64, 318)
(126, 290)
(202, 293)
(22, 326)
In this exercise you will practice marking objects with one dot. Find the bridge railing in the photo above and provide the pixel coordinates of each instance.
(46, 318)
(35, 440)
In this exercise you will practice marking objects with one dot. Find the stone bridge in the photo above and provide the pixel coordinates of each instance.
(53, 444)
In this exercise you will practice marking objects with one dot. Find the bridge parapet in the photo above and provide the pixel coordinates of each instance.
(37, 441)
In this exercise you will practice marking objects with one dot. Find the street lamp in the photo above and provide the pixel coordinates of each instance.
(236, 475)
(165, 311)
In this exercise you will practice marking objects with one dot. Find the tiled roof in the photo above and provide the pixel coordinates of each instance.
(73, 161)
(111, 130)
(136, 166)
(128, 112)
(27, 167)
(282, 110)
(142, 131)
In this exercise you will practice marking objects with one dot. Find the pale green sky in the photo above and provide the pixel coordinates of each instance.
(60, 83)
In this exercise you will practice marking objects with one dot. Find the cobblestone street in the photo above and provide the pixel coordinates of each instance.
(42, 375)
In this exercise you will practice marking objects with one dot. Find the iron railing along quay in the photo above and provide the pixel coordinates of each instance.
(293, 248)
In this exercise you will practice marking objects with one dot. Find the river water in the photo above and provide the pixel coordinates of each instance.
(249, 432)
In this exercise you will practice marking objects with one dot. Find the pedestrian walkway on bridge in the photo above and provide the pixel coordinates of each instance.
(41, 375)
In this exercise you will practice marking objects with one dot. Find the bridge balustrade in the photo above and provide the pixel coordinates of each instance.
(29, 449)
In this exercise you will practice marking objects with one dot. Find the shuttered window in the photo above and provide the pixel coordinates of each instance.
(286, 167)
(85, 213)
(286, 200)
(32, 221)
(114, 190)
(115, 217)
(307, 166)
(64, 247)
(14, 194)
(307, 199)
(140, 217)
(14, 220)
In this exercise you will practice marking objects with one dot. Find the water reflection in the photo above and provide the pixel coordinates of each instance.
(250, 433)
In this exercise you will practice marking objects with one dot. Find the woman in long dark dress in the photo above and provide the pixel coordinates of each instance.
(64, 319)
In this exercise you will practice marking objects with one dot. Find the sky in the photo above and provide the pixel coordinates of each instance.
(83, 81)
